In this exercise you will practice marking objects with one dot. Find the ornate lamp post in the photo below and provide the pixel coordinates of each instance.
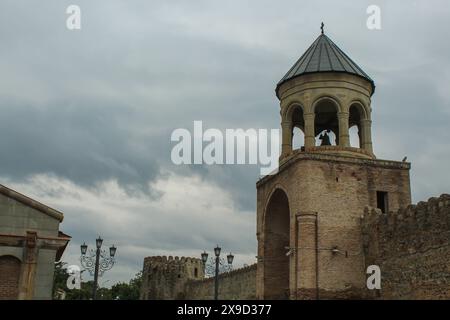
(216, 266)
(97, 262)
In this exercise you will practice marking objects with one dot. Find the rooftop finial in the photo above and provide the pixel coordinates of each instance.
(321, 27)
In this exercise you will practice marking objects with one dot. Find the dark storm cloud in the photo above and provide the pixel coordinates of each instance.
(103, 101)
(83, 144)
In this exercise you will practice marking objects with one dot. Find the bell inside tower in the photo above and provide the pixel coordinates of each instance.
(326, 125)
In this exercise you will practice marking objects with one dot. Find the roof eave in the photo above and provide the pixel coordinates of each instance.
(31, 203)
(279, 84)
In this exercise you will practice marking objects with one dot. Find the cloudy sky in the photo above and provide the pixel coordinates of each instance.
(87, 114)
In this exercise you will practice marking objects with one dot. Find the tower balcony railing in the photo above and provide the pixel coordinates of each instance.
(334, 150)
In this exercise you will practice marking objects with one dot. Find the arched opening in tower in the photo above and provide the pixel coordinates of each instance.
(298, 138)
(276, 246)
(298, 128)
(356, 113)
(326, 124)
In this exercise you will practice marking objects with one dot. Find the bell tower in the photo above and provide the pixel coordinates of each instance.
(326, 91)
(308, 214)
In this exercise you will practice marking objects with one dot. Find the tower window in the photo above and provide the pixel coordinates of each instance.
(382, 201)
(196, 272)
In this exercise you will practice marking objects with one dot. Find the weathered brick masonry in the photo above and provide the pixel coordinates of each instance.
(316, 202)
(165, 277)
(237, 284)
(9, 277)
(412, 248)
(183, 278)
(410, 245)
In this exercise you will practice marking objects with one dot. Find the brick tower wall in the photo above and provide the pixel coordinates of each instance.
(335, 189)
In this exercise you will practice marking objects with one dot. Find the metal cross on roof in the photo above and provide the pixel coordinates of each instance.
(321, 27)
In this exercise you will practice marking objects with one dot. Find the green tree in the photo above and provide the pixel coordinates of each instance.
(60, 278)
(127, 291)
(60, 285)
(84, 293)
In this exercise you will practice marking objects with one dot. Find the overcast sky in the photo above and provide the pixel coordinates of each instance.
(86, 115)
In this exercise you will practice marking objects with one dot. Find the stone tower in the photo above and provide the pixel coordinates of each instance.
(164, 278)
(309, 213)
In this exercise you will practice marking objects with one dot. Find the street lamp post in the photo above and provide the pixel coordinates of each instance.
(97, 262)
(217, 263)
(216, 275)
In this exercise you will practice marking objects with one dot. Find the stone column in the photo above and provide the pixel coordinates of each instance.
(344, 137)
(28, 268)
(306, 248)
(366, 135)
(293, 261)
(286, 138)
(310, 137)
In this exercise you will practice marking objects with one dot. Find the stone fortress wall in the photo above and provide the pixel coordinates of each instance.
(164, 278)
(167, 278)
(233, 285)
(412, 248)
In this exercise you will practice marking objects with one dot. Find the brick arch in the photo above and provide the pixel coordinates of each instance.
(9, 277)
(275, 188)
(276, 239)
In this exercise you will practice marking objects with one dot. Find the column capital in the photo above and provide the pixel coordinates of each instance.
(343, 114)
(306, 216)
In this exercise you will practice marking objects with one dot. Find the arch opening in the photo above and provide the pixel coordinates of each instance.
(298, 138)
(356, 114)
(276, 244)
(295, 116)
(355, 140)
(326, 124)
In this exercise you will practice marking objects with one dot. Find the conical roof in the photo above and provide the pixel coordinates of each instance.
(324, 56)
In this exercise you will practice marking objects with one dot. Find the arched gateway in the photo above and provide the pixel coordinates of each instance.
(276, 244)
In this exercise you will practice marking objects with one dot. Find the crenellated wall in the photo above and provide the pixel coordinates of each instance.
(165, 278)
(237, 284)
(411, 246)
(412, 249)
